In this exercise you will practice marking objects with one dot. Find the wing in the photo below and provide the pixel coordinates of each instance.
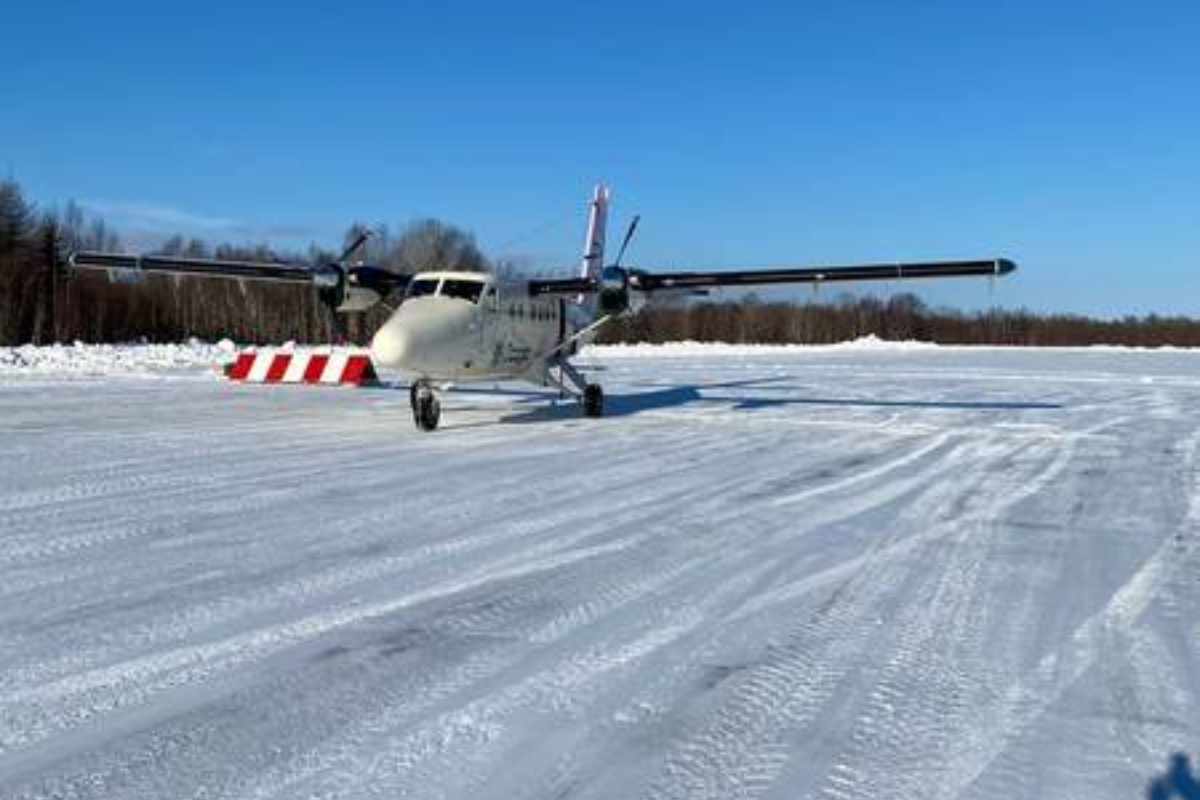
(645, 281)
(341, 287)
(277, 272)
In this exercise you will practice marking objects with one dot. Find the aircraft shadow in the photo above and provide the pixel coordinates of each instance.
(632, 403)
(961, 405)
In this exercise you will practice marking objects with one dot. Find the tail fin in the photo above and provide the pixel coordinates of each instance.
(593, 246)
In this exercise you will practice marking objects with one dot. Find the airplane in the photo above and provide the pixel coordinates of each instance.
(454, 327)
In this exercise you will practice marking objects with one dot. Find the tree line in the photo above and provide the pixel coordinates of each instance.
(42, 302)
(901, 317)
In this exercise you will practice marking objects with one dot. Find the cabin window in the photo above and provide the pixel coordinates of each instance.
(422, 287)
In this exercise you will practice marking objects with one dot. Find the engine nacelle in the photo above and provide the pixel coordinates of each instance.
(354, 289)
(356, 298)
(615, 296)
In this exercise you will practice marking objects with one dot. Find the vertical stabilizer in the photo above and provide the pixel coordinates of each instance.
(593, 246)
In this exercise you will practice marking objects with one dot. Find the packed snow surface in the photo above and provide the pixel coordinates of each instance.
(871, 571)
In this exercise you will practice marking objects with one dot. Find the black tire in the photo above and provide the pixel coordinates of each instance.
(428, 412)
(593, 401)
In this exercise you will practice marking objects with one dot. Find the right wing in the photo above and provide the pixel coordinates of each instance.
(277, 272)
(341, 287)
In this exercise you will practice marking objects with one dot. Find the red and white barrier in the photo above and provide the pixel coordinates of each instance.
(300, 366)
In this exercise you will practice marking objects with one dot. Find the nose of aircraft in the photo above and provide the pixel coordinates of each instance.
(424, 335)
(391, 344)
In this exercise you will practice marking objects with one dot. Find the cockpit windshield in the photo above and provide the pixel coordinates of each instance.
(422, 287)
(463, 289)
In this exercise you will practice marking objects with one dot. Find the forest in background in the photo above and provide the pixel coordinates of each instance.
(42, 302)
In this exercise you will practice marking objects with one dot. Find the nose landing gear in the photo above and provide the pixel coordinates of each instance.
(426, 408)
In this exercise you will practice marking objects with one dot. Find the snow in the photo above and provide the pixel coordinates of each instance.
(107, 359)
(872, 570)
(690, 348)
(127, 359)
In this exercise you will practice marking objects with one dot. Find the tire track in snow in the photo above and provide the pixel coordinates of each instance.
(748, 743)
(918, 715)
(488, 529)
(556, 629)
(1108, 635)
(608, 518)
(94, 692)
(638, 590)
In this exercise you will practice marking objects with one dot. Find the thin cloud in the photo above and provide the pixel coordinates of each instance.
(151, 218)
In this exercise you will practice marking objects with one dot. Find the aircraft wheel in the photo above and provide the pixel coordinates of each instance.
(425, 406)
(593, 400)
(428, 412)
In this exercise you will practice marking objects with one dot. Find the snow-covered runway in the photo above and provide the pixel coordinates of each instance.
(880, 571)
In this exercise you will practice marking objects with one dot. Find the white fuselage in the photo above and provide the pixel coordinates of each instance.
(456, 326)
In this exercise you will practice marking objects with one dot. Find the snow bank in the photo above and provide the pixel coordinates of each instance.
(132, 358)
(870, 343)
(109, 359)
(689, 348)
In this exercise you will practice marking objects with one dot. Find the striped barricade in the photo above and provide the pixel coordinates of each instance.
(353, 368)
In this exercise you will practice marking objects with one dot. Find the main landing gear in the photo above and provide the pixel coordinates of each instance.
(426, 408)
(593, 400)
(591, 396)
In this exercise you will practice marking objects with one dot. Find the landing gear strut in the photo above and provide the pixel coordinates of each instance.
(591, 396)
(425, 406)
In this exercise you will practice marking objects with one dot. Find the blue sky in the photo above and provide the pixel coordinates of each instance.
(1065, 135)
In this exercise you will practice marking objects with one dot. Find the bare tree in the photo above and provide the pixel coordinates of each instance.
(429, 244)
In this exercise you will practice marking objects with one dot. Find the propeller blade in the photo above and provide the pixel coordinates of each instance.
(628, 235)
(359, 241)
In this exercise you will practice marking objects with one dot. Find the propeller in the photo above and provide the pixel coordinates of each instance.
(353, 288)
(616, 281)
(363, 236)
(633, 223)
